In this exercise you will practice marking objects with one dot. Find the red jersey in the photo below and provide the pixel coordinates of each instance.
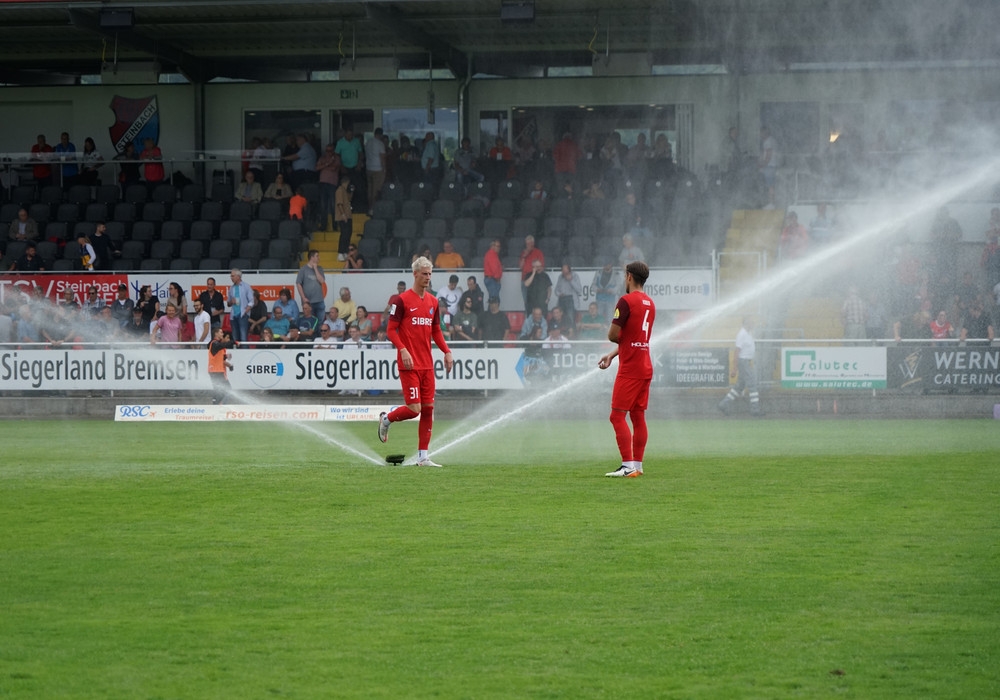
(635, 314)
(413, 322)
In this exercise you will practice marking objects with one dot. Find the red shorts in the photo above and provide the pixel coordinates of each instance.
(418, 386)
(630, 393)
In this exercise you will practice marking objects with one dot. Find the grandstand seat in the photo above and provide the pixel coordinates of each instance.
(133, 250)
(155, 212)
(51, 195)
(41, 213)
(193, 193)
(495, 228)
(376, 228)
(464, 247)
(65, 265)
(56, 230)
(143, 231)
(212, 211)
(291, 231)
(391, 263)
(23, 195)
(577, 259)
(151, 265)
(422, 191)
(272, 264)
(181, 264)
(201, 231)
(164, 193)
(108, 194)
(8, 212)
(400, 247)
(222, 191)
(281, 248)
(251, 249)
(192, 250)
(164, 251)
(433, 243)
(524, 226)
(510, 189)
(95, 212)
(392, 192)
(502, 208)
(511, 261)
(580, 244)
(465, 227)
(471, 208)
(552, 246)
(404, 228)
(210, 264)
(78, 194)
(231, 231)
(172, 231)
(67, 213)
(241, 211)
(241, 263)
(555, 226)
(125, 264)
(80, 228)
(562, 207)
(270, 210)
(593, 208)
(137, 194)
(443, 209)
(480, 190)
(452, 192)
(483, 245)
(115, 230)
(413, 209)
(435, 228)
(260, 230)
(385, 209)
(184, 212)
(535, 208)
(370, 249)
(221, 250)
(124, 212)
(584, 226)
(71, 251)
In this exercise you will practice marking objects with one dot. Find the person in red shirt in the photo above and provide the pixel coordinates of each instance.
(565, 154)
(631, 329)
(413, 323)
(153, 156)
(493, 269)
(43, 171)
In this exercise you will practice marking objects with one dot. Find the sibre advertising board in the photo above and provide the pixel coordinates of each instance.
(947, 368)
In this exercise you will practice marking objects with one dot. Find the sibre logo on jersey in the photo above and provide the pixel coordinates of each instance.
(420, 321)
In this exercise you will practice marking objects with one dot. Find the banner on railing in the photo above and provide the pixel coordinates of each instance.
(944, 368)
(833, 368)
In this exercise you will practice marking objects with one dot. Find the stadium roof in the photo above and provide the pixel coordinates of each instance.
(49, 42)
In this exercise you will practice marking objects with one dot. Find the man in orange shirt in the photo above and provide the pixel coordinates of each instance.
(448, 259)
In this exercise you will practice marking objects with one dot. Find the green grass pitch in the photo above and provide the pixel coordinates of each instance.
(769, 559)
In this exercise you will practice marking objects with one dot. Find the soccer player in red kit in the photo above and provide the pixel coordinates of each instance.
(631, 328)
(413, 323)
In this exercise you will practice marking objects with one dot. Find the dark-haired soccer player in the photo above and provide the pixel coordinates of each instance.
(631, 328)
(413, 323)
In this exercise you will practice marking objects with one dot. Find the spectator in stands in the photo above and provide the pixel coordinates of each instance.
(128, 169)
(630, 251)
(122, 306)
(346, 306)
(344, 216)
(88, 256)
(977, 325)
(175, 296)
(148, 304)
(153, 169)
(534, 321)
(767, 163)
(29, 261)
(538, 288)
(249, 190)
(821, 227)
(529, 255)
(913, 326)
(794, 238)
(338, 329)
(297, 205)
(41, 153)
(258, 316)
(364, 324)
(569, 292)
(278, 324)
(167, 328)
(638, 155)
(493, 269)
(93, 304)
(448, 299)
(258, 152)
(538, 191)
(310, 283)
(400, 288)
(23, 228)
(475, 292)
(940, 327)
(565, 155)
(592, 325)
(494, 324)
(465, 323)
(104, 247)
(854, 314)
(288, 305)
(303, 162)
(136, 327)
(595, 190)
(501, 161)
(350, 151)
(376, 160)
(565, 323)
(66, 151)
(465, 166)
(430, 160)
(268, 340)
(355, 260)
(27, 331)
(325, 340)
(607, 286)
(305, 328)
(448, 259)
(240, 302)
(203, 322)
(213, 302)
(328, 167)
(278, 189)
